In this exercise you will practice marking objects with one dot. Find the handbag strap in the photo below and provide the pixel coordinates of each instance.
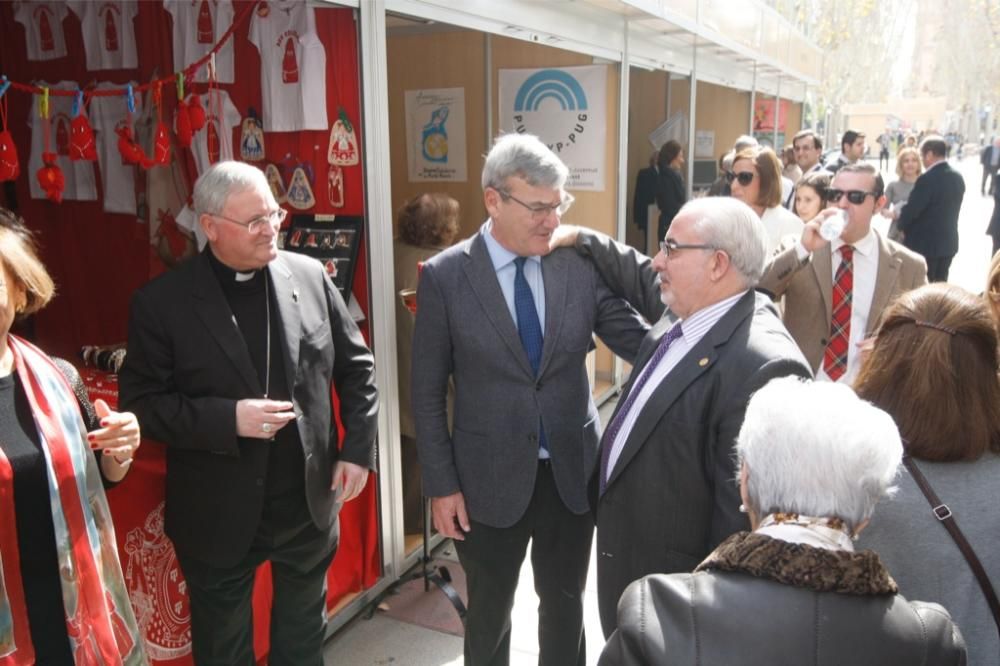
(947, 519)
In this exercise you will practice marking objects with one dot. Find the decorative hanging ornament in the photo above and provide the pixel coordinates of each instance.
(50, 177)
(161, 141)
(196, 113)
(131, 151)
(343, 149)
(335, 186)
(81, 135)
(300, 193)
(252, 139)
(10, 167)
(277, 184)
(182, 117)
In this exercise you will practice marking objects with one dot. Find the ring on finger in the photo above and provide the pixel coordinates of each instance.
(266, 427)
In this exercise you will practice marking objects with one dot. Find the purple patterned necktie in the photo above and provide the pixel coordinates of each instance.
(608, 441)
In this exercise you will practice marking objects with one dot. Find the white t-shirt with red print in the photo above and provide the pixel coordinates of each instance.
(214, 142)
(292, 67)
(198, 26)
(108, 32)
(117, 177)
(43, 28)
(80, 180)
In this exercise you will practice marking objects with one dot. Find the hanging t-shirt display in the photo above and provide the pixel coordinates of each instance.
(79, 175)
(108, 32)
(43, 28)
(214, 142)
(198, 26)
(117, 177)
(292, 67)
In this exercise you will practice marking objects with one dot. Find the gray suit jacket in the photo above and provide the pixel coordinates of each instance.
(808, 290)
(672, 494)
(187, 366)
(464, 331)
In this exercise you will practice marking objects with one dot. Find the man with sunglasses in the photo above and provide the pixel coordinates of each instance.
(835, 291)
(929, 221)
(231, 360)
(511, 326)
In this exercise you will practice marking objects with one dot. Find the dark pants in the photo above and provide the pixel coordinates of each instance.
(221, 598)
(883, 156)
(937, 268)
(560, 552)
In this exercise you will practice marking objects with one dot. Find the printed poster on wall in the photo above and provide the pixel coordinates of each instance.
(565, 108)
(435, 134)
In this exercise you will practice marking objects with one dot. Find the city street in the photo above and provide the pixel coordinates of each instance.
(970, 265)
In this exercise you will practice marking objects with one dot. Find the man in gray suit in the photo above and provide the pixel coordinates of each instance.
(665, 493)
(512, 328)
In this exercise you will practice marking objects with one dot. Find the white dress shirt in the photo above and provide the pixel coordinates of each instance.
(865, 268)
(693, 329)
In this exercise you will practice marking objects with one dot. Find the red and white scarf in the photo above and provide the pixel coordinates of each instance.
(99, 618)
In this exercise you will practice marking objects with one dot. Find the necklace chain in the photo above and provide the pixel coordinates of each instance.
(267, 353)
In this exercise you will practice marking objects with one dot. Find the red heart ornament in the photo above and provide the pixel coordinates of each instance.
(51, 178)
(10, 168)
(196, 113)
(81, 140)
(161, 145)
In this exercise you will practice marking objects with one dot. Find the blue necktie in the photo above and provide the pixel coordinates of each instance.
(608, 441)
(529, 329)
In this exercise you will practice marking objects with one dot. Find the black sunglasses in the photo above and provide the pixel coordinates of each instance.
(745, 177)
(856, 197)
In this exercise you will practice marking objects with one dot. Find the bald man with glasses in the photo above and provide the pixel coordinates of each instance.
(835, 291)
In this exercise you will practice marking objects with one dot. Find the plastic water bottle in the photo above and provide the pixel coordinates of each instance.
(833, 226)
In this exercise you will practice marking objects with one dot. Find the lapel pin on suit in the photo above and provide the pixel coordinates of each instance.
(295, 295)
(703, 362)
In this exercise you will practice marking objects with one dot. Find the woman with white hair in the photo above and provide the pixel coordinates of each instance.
(814, 459)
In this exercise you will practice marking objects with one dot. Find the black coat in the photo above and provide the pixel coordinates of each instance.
(187, 366)
(929, 220)
(645, 194)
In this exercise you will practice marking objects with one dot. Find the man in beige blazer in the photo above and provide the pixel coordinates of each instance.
(804, 272)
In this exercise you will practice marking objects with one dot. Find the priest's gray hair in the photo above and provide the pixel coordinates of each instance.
(816, 449)
(223, 179)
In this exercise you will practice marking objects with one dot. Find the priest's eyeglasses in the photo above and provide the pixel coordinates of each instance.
(258, 224)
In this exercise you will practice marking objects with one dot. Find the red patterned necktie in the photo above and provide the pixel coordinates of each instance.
(835, 357)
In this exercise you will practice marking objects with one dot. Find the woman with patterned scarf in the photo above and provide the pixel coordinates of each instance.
(62, 596)
(814, 460)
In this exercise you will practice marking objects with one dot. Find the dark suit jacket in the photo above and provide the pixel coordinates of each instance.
(645, 194)
(187, 366)
(929, 220)
(672, 495)
(464, 331)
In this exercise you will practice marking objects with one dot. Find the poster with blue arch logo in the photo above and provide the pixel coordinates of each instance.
(566, 108)
(435, 135)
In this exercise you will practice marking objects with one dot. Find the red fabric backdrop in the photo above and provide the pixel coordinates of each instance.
(98, 259)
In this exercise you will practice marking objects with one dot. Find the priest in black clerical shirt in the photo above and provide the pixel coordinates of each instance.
(231, 360)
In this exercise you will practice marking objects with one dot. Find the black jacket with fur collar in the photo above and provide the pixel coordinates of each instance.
(759, 600)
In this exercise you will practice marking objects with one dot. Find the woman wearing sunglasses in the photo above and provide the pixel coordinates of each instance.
(810, 195)
(756, 181)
